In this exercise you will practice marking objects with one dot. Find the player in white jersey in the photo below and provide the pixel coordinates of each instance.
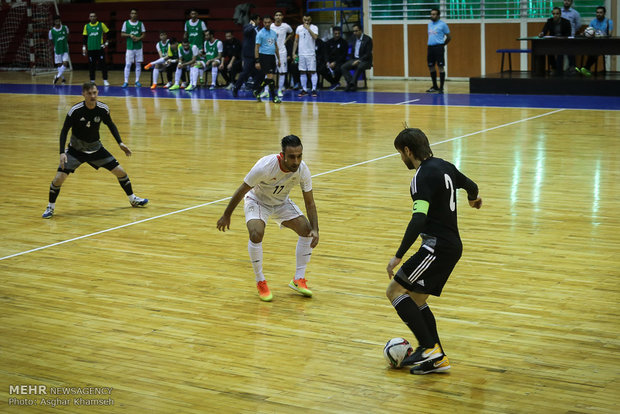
(305, 39)
(285, 33)
(266, 191)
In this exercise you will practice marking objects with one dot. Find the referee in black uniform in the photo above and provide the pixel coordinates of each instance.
(84, 120)
(433, 190)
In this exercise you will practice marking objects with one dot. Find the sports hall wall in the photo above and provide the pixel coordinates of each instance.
(399, 46)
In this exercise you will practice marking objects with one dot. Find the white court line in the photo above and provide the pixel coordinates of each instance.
(347, 103)
(228, 198)
(404, 102)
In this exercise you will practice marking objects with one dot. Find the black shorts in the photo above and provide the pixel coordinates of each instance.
(267, 63)
(435, 54)
(428, 270)
(99, 158)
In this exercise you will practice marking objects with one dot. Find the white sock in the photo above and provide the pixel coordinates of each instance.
(256, 257)
(155, 75)
(158, 62)
(138, 71)
(303, 78)
(51, 205)
(314, 79)
(177, 76)
(302, 253)
(127, 71)
(282, 80)
(193, 76)
(214, 75)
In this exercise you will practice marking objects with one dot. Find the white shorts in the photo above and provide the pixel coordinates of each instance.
(133, 56)
(283, 68)
(307, 63)
(58, 59)
(254, 210)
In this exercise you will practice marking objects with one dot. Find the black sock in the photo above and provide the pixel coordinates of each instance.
(429, 318)
(54, 191)
(434, 78)
(126, 185)
(442, 79)
(411, 315)
(272, 89)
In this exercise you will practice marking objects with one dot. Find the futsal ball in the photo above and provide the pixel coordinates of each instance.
(589, 32)
(396, 350)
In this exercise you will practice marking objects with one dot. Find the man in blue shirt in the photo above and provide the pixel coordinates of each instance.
(247, 53)
(265, 53)
(602, 27)
(574, 18)
(438, 38)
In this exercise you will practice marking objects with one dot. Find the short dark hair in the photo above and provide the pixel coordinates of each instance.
(185, 40)
(267, 17)
(163, 32)
(173, 40)
(87, 86)
(210, 31)
(254, 17)
(337, 29)
(56, 17)
(416, 141)
(290, 141)
(359, 26)
(130, 10)
(556, 8)
(602, 7)
(437, 10)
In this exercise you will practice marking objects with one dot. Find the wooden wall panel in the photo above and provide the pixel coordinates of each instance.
(464, 50)
(388, 50)
(417, 39)
(500, 36)
(533, 28)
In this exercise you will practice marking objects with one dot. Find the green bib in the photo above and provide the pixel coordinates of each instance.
(60, 39)
(163, 47)
(195, 34)
(211, 51)
(185, 56)
(136, 30)
(95, 35)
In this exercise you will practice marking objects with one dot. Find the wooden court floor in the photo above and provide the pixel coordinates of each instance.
(159, 306)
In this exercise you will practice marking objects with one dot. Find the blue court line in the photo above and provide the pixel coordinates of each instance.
(360, 97)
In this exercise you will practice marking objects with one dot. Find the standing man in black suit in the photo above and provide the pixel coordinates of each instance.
(247, 53)
(361, 58)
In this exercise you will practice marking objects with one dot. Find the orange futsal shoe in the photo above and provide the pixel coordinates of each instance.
(300, 286)
(263, 291)
(153, 86)
(147, 66)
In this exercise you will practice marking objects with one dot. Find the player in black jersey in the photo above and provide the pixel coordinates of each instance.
(433, 190)
(84, 120)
